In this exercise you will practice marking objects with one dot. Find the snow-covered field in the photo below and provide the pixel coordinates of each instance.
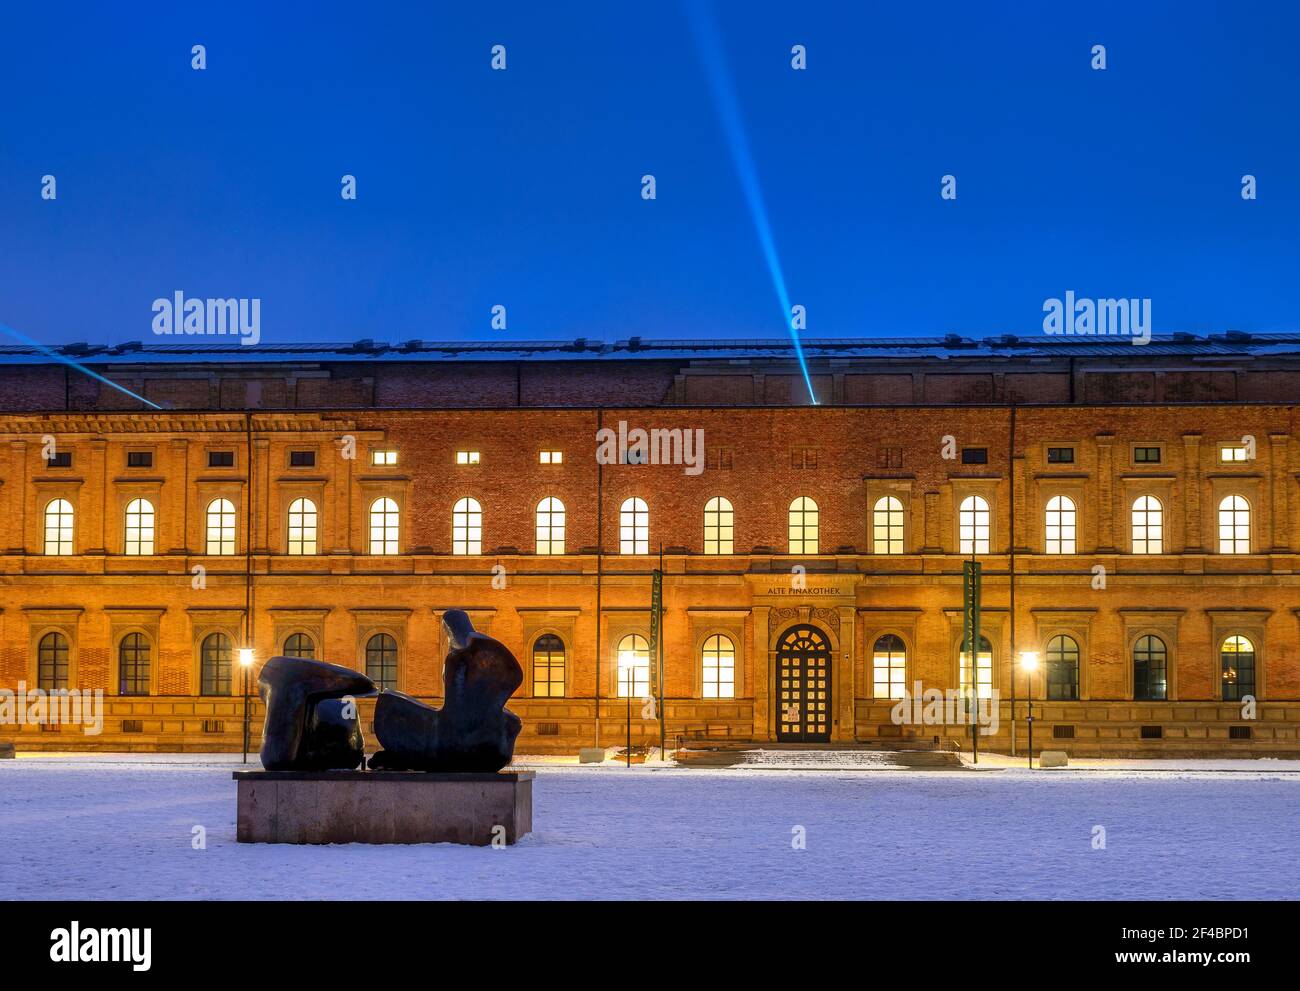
(120, 826)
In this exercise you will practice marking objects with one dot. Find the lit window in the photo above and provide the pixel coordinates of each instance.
(1238, 662)
(1060, 525)
(300, 645)
(133, 665)
(1232, 453)
(548, 666)
(803, 526)
(1062, 669)
(717, 526)
(221, 527)
(58, 527)
(634, 527)
(381, 661)
(384, 519)
(719, 668)
(550, 526)
(214, 665)
(52, 662)
(983, 669)
(633, 666)
(384, 459)
(551, 457)
(1234, 525)
(139, 527)
(1150, 669)
(887, 526)
(889, 668)
(467, 457)
(302, 527)
(467, 527)
(973, 519)
(1148, 525)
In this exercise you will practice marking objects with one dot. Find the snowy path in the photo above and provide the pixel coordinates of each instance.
(119, 826)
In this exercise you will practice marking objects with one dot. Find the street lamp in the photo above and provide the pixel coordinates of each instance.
(1029, 663)
(246, 663)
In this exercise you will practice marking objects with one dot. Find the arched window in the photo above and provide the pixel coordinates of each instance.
(467, 527)
(803, 526)
(52, 662)
(887, 526)
(634, 527)
(133, 665)
(1062, 669)
(973, 522)
(381, 660)
(1060, 525)
(548, 666)
(889, 667)
(139, 527)
(58, 527)
(633, 666)
(550, 526)
(1237, 656)
(717, 526)
(300, 645)
(1150, 669)
(302, 527)
(719, 668)
(221, 527)
(1148, 525)
(983, 669)
(1234, 525)
(214, 665)
(384, 526)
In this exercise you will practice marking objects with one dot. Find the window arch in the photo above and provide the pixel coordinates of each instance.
(221, 527)
(214, 665)
(58, 527)
(973, 524)
(1150, 669)
(1234, 525)
(1062, 668)
(139, 527)
(633, 666)
(467, 527)
(1148, 525)
(718, 660)
(983, 669)
(550, 526)
(1237, 658)
(300, 645)
(1060, 525)
(889, 667)
(718, 526)
(548, 666)
(804, 526)
(634, 527)
(302, 527)
(381, 660)
(52, 662)
(133, 665)
(887, 526)
(385, 521)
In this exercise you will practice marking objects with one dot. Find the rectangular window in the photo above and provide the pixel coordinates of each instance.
(384, 459)
(1233, 453)
(302, 459)
(60, 459)
(551, 457)
(467, 457)
(1146, 455)
(139, 459)
(803, 457)
(718, 458)
(974, 455)
(891, 457)
(221, 459)
(1060, 455)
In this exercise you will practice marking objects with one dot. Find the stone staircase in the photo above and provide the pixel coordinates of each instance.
(817, 757)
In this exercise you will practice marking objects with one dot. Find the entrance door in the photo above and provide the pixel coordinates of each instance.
(803, 686)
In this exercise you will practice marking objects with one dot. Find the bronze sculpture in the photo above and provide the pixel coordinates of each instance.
(309, 725)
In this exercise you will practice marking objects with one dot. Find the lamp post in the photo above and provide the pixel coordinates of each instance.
(246, 665)
(1029, 663)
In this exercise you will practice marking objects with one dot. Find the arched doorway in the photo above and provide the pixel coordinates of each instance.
(803, 685)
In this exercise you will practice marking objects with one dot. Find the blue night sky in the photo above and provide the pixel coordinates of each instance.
(523, 187)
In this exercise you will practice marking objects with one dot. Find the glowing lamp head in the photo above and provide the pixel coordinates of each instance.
(246, 657)
(1029, 660)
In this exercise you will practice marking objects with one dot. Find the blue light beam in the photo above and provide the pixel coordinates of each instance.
(72, 364)
(709, 43)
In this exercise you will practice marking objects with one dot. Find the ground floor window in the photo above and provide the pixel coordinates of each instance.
(633, 666)
(133, 665)
(381, 660)
(214, 665)
(889, 668)
(548, 666)
(1062, 669)
(1238, 660)
(1150, 669)
(719, 663)
(300, 645)
(983, 683)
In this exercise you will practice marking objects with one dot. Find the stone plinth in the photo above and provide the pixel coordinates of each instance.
(383, 807)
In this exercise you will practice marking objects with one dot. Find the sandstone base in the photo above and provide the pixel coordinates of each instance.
(383, 807)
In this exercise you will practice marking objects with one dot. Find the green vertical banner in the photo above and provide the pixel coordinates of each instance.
(970, 586)
(656, 607)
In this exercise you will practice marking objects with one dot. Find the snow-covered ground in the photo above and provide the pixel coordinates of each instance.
(120, 826)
